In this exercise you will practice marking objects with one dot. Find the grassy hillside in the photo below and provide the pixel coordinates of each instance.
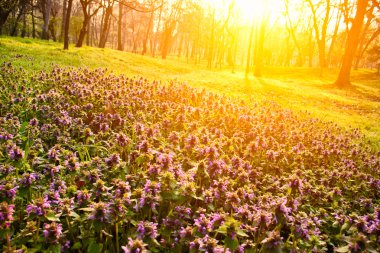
(299, 89)
(103, 163)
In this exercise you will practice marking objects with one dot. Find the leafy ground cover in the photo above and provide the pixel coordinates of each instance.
(298, 89)
(96, 162)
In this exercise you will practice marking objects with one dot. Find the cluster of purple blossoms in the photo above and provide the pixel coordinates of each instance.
(147, 229)
(100, 213)
(135, 246)
(15, 152)
(8, 190)
(38, 207)
(6, 215)
(52, 232)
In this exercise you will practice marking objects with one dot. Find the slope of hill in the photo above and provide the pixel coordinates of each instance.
(299, 89)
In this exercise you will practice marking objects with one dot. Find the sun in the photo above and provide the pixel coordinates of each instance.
(251, 10)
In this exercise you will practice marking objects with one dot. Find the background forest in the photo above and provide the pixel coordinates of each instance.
(219, 34)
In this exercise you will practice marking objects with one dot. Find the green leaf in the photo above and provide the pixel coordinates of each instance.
(55, 248)
(50, 216)
(222, 230)
(95, 247)
(141, 159)
(87, 209)
(74, 214)
(241, 233)
(231, 243)
(343, 249)
(345, 227)
(77, 245)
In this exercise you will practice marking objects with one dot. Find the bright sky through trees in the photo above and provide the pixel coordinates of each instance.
(249, 10)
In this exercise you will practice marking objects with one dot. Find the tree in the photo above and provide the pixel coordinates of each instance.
(170, 26)
(66, 33)
(375, 56)
(22, 6)
(343, 80)
(249, 54)
(64, 8)
(87, 15)
(45, 8)
(260, 47)
(6, 7)
(371, 31)
(321, 29)
(119, 28)
(292, 29)
(108, 9)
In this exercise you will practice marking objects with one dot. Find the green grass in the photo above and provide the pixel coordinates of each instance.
(299, 89)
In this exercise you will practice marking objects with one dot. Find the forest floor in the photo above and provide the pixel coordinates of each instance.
(298, 89)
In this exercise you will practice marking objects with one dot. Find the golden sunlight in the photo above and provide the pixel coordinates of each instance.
(253, 9)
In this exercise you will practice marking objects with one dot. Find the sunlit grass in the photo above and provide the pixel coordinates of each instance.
(299, 89)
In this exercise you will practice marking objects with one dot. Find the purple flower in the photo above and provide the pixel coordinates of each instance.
(152, 187)
(33, 122)
(52, 232)
(122, 140)
(6, 136)
(15, 153)
(203, 224)
(54, 152)
(273, 242)
(100, 212)
(186, 233)
(135, 246)
(28, 179)
(6, 215)
(71, 163)
(8, 190)
(147, 229)
(113, 160)
(38, 207)
(6, 169)
(58, 186)
(83, 196)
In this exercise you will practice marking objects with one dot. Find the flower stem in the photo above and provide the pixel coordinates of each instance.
(117, 237)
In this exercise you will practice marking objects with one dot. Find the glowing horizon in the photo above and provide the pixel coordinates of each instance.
(251, 10)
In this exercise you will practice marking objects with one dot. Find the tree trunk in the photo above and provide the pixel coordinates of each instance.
(119, 28)
(66, 33)
(46, 18)
(64, 8)
(104, 33)
(33, 21)
(3, 19)
(212, 42)
(147, 33)
(83, 31)
(158, 27)
(20, 14)
(343, 80)
(23, 30)
(335, 34)
(166, 41)
(6, 7)
(311, 49)
(321, 34)
(249, 55)
(375, 35)
(260, 49)
(88, 37)
(292, 32)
